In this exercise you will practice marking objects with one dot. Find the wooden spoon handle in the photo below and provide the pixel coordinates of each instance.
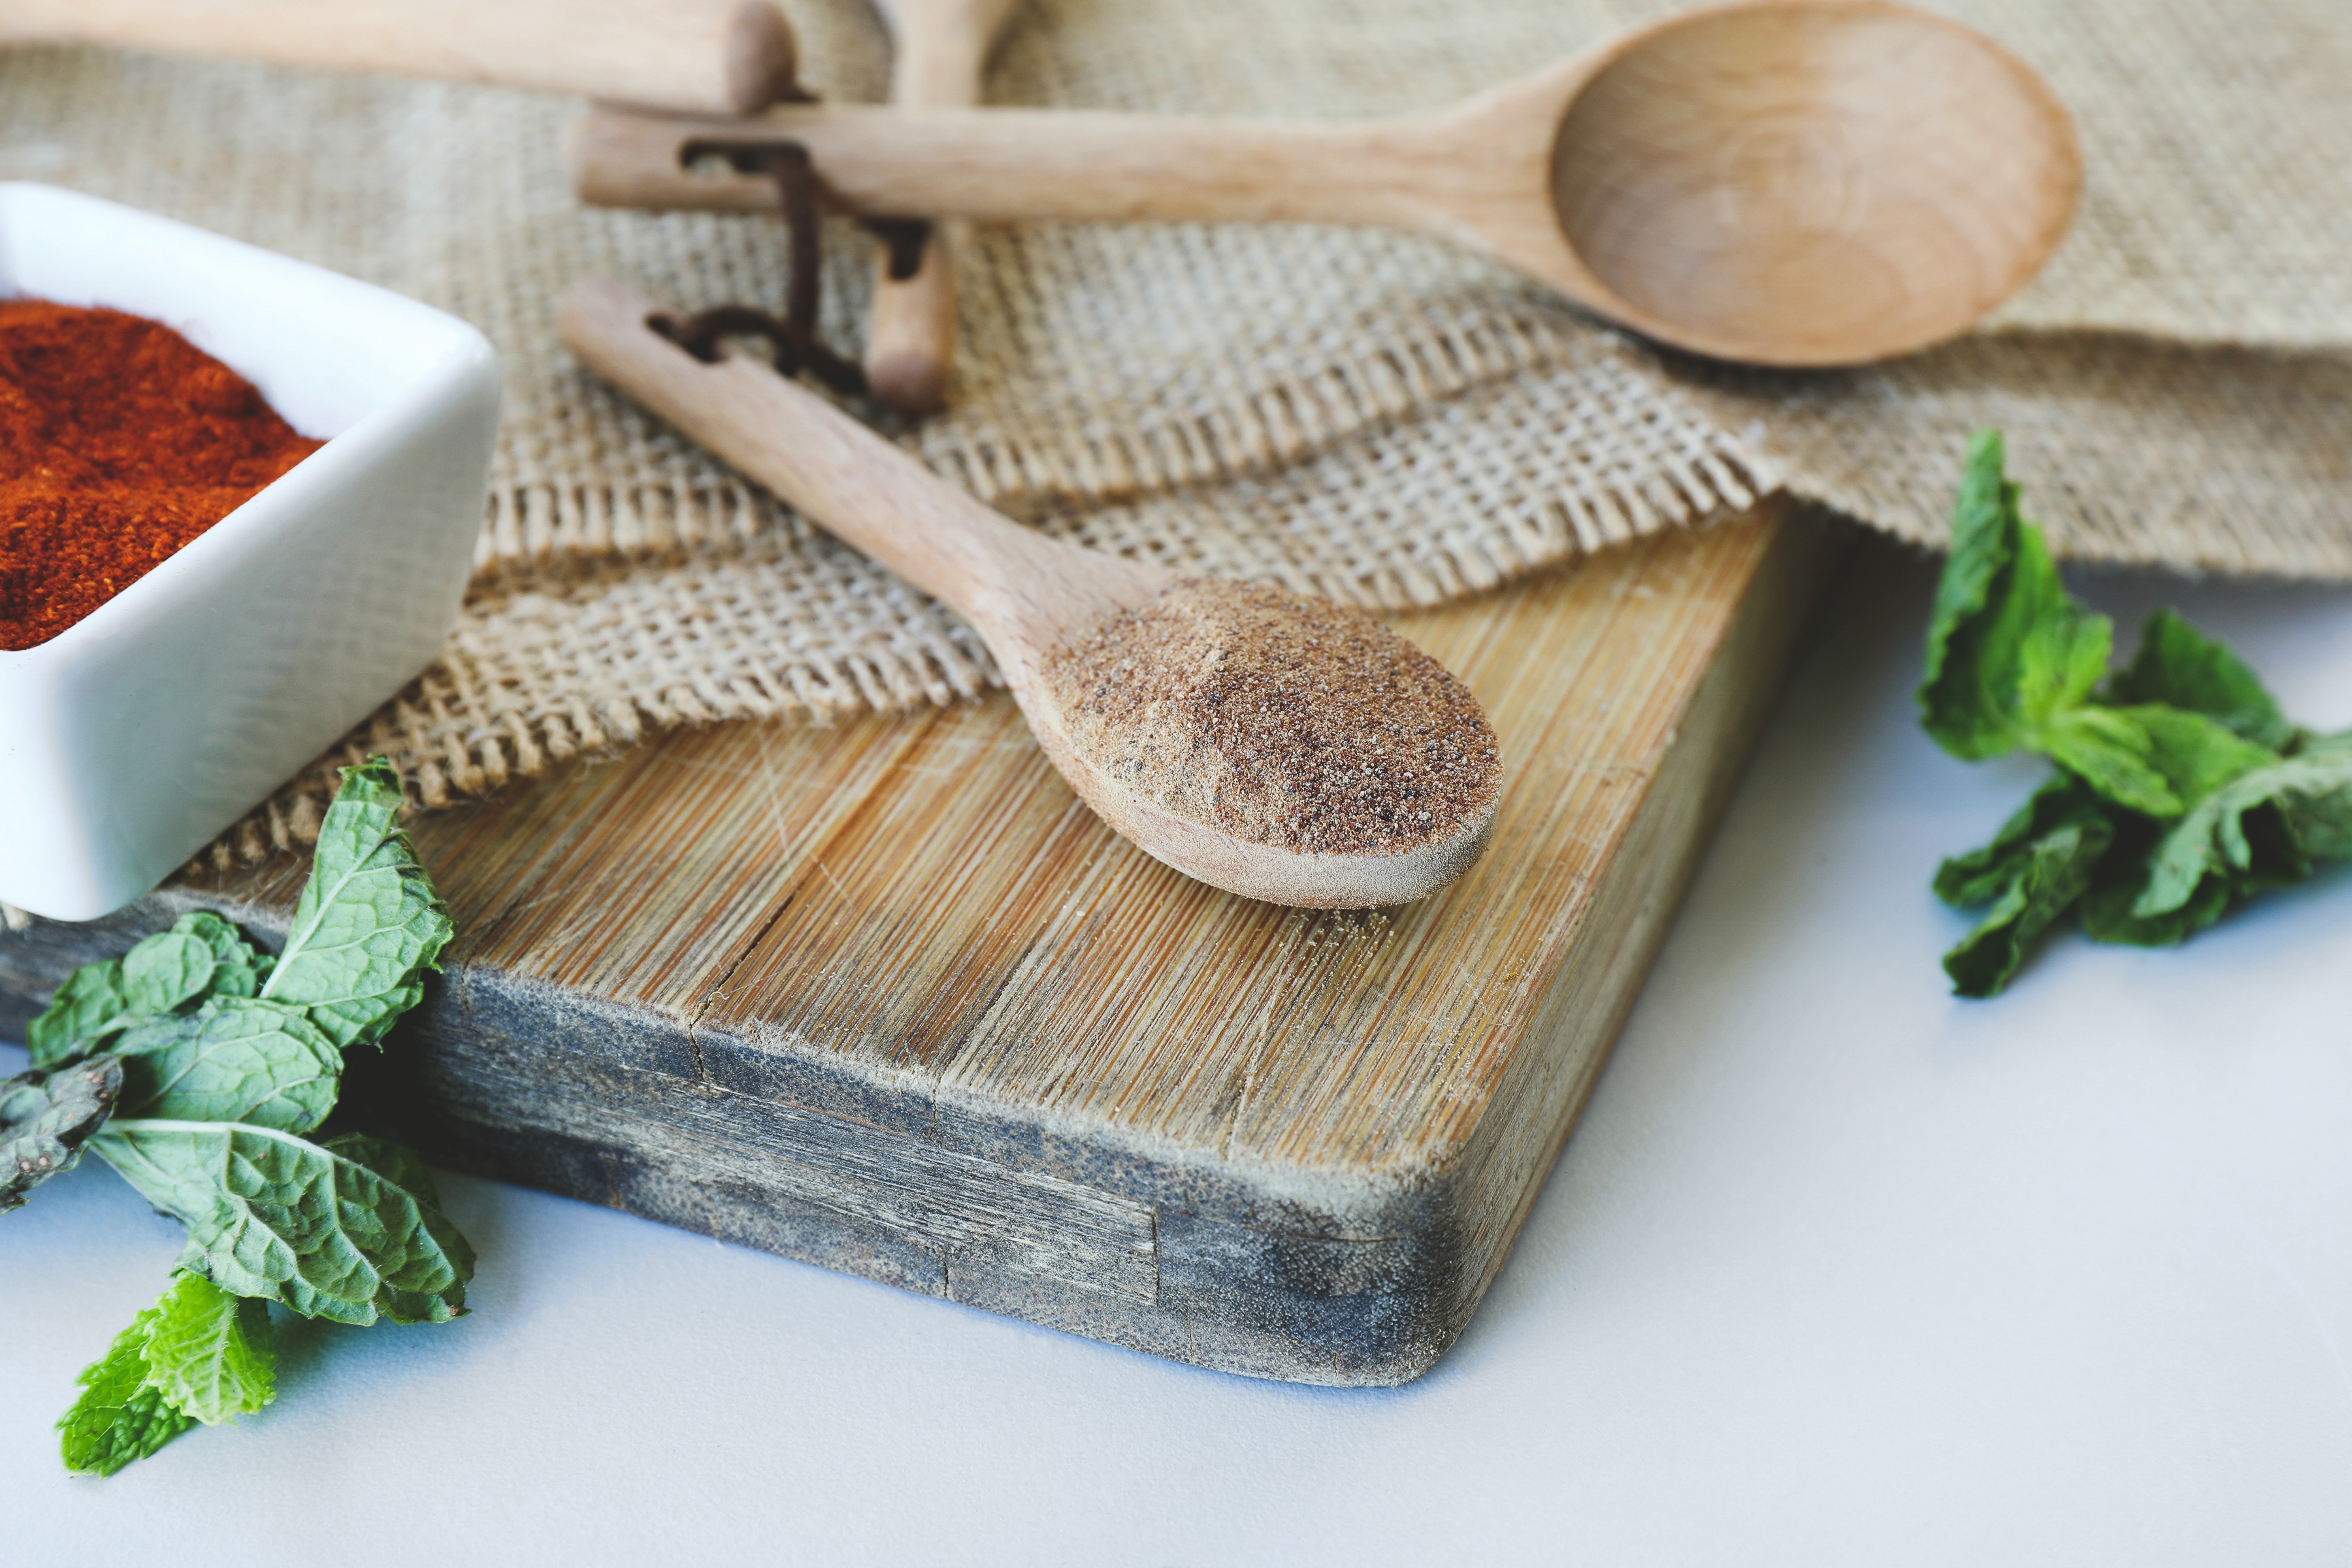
(941, 53)
(696, 57)
(844, 477)
(1011, 164)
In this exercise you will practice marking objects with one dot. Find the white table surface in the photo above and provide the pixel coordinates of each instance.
(1837, 1269)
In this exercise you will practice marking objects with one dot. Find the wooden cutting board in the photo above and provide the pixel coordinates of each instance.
(885, 997)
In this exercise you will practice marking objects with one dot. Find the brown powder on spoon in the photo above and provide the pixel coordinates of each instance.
(1280, 718)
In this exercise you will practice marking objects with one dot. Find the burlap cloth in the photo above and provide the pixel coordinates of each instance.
(1374, 418)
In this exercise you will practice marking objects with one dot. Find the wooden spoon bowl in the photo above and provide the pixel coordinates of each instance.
(1783, 181)
(1862, 181)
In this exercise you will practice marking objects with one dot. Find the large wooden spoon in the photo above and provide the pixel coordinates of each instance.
(694, 57)
(1273, 745)
(941, 47)
(1784, 182)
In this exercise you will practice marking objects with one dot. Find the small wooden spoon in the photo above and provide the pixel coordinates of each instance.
(1051, 614)
(941, 49)
(694, 57)
(1784, 182)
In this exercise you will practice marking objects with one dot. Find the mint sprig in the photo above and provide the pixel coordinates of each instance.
(123, 1414)
(199, 1356)
(196, 1064)
(2182, 790)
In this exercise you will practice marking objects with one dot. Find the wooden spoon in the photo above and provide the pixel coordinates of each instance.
(941, 49)
(1784, 182)
(1399, 808)
(694, 57)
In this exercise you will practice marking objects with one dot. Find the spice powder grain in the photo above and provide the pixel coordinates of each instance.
(119, 442)
(1281, 719)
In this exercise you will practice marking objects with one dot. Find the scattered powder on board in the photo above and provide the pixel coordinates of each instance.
(1280, 718)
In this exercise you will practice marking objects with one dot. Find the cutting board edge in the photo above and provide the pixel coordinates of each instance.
(1528, 1120)
(1295, 1301)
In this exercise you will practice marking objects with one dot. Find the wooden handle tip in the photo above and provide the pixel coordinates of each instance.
(762, 57)
(907, 381)
(596, 313)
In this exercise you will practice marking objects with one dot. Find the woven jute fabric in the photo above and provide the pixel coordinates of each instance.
(1371, 416)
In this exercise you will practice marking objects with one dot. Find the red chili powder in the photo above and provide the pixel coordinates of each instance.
(119, 442)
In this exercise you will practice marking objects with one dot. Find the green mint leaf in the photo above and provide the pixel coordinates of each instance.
(165, 971)
(201, 954)
(1982, 875)
(120, 1416)
(2151, 758)
(272, 1215)
(238, 1059)
(400, 1166)
(1952, 706)
(2187, 790)
(2310, 796)
(2108, 915)
(44, 1119)
(2197, 754)
(395, 1163)
(2009, 651)
(368, 924)
(2053, 650)
(2110, 750)
(2317, 822)
(238, 966)
(87, 1006)
(2180, 666)
(209, 1353)
(2054, 871)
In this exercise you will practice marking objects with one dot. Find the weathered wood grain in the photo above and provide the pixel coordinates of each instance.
(885, 997)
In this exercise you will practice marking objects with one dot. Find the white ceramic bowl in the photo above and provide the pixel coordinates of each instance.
(131, 738)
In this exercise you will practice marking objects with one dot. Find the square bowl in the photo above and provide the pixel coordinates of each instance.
(131, 738)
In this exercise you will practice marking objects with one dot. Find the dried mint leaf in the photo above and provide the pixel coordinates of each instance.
(46, 1117)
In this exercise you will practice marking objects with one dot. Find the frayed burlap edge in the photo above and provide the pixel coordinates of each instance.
(571, 655)
(2232, 459)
